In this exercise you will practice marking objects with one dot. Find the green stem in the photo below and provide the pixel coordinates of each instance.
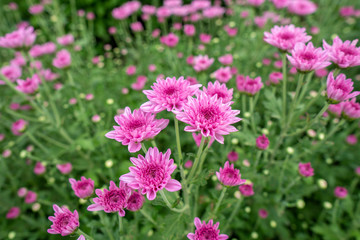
(168, 204)
(233, 213)
(53, 141)
(143, 147)
(284, 72)
(307, 82)
(282, 173)
(334, 213)
(80, 232)
(258, 156)
(252, 119)
(219, 201)
(148, 217)
(153, 143)
(121, 227)
(197, 158)
(203, 155)
(178, 145)
(37, 143)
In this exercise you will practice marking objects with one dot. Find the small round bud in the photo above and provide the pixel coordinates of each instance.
(290, 150)
(247, 209)
(254, 235)
(110, 101)
(12, 235)
(36, 207)
(300, 204)
(234, 141)
(322, 183)
(327, 205)
(273, 224)
(109, 163)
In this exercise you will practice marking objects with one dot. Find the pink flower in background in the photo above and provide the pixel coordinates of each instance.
(280, 3)
(255, 3)
(140, 83)
(260, 21)
(263, 213)
(246, 190)
(112, 30)
(306, 170)
(302, 7)
(275, 77)
(248, 85)
(339, 89)
(266, 61)
(223, 74)
(306, 58)
(64, 168)
(340, 192)
(197, 138)
(22, 37)
(148, 9)
(13, 212)
(285, 37)
(48, 75)
(168, 94)
(209, 115)
(206, 231)
(205, 38)
(226, 59)
(152, 67)
(136, 127)
(19, 127)
(11, 72)
(112, 200)
(351, 139)
(152, 173)
(230, 176)
(22, 192)
(62, 59)
(135, 202)
(188, 164)
(213, 12)
(83, 188)
(351, 109)
(19, 60)
(90, 16)
(262, 142)
(231, 31)
(189, 29)
(36, 9)
(170, 40)
(136, 27)
(30, 197)
(66, 39)
(314, 30)
(64, 221)
(343, 54)
(233, 156)
(12, 6)
(131, 70)
(220, 90)
(357, 171)
(39, 50)
(323, 72)
(336, 109)
(28, 86)
(201, 63)
(347, 11)
(39, 168)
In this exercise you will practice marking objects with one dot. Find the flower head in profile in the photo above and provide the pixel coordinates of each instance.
(246, 189)
(306, 58)
(64, 221)
(351, 109)
(206, 231)
(230, 176)
(201, 63)
(169, 94)
(22, 37)
(19, 127)
(209, 115)
(62, 59)
(152, 173)
(13, 212)
(285, 37)
(83, 188)
(306, 170)
(340, 192)
(112, 200)
(302, 7)
(339, 88)
(135, 202)
(170, 40)
(220, 90)
(262, 142)
(11, 72)
(343, 54)
(223, 74)
(28, 86)
(249, 85)
(135, 128)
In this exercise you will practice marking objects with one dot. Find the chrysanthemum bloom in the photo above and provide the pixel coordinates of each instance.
(13, 212)
(351, 109)
(275, 77)
(22, 192)
(223, 74)
(48, 75)
(209, 115)
(11, 72)
(198, 137)
(39, 50)
(285, 37)
(83, 188)
(306, 58)
(205, 38)
(220, 90)
(170, 40)
(255, 3)
(249, 85)
(206, 231)
(64, 221)
(66, 39)
(339, 88)
(36, 9)
(152, 173)
(343, 54)
(347, 11)
(233, 156)
(189, 29)
(136, 127)
(62, 59)
(280, 3)
(112, 200)
(39, 168)
(202, 63)
(357, 171)
(230, 176)
(340, 192)
(188, 164)
(135, 202)
(336, 109)
(19, 127)
(22, 37)
(263, 213)
(64, 168)
(306, 170)
(246, 189)
(226, 59)
(302, 7)
(323, 72)
(170, 94)
(351, 139)
(28, 86)
(262, 142)
(30, 197)
(213, 12)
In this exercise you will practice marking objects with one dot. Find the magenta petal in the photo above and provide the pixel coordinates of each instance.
(95, 207)
(151, 195)
(134, 147)
(191, 236)
(173, 185)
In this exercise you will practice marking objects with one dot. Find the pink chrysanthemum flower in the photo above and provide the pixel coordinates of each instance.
(13, 212)
(11, 72)
(343, 54)
(336, 109)
(19, 127)
(351, 109)
(262, 142)
(220, 90)
(136, 127)
(83, 188)
(112, 200)
(170, 94)
(28, 86)
(152, 173)
(230, 176)
(64, 221)
(340, 192)
(209, 115)
(135, 202)
(22, 37)
(306, 170)
(249, 85)
(170, 40)
(62, 59)
(339, 88)
(306, 58)
(206, 231)
(202, 63)
(247, 190)
(223, 74)
(233, 156)
(302, 7)
(285, 37)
